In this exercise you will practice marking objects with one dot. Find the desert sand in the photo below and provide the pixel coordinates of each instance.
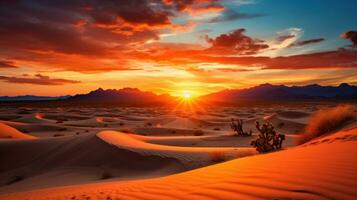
(158, 153)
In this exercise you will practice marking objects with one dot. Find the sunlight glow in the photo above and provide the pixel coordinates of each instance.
(186, 94)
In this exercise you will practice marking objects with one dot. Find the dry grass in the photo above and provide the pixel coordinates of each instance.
(126, 130)
(326, 121)
(15, 179)
(198, 133)
(106, 175)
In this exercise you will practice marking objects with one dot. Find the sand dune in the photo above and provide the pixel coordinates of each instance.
(49, 162)
(12, 133)
(322, 169)
(191, 157)
(165, 154)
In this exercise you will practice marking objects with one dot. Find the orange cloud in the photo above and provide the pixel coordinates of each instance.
(37, 80)
(7, 64)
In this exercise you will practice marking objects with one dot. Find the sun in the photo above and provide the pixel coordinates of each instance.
(186, 94)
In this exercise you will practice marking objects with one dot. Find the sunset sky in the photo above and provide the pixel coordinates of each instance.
(168, 46)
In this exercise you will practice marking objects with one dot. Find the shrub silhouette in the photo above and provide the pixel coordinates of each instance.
(15, 179)
(237, 126)
(198, 133)
(106, 175)
(268, 140)
(58, 135)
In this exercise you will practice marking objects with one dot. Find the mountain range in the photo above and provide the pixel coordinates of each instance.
(261, 92)
(32, 98)
(132, 96)
(283, 92)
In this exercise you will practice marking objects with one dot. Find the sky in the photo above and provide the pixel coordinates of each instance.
(65, 47)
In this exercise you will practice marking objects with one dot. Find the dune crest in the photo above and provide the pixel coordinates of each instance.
(322, 169)
(12, 133)
(191, 157)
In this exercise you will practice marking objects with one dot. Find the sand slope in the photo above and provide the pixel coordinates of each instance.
(48, 162)
(191, 157)
(12, 133)
(321, 169)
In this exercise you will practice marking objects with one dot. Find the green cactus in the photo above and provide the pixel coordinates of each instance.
(237, 126)
(268, 140)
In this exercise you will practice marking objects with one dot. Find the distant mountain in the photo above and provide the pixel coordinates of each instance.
(122, 96)
(31, 98)
(283, 92)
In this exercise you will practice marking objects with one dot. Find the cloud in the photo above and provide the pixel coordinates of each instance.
(231, 15)
(89, 36)
(236, 42)
(338, 59)
(38, 79)
(74, 27)
(350, 35)
(307, 42)
(204, 8)
(7, 64)
(283, 38)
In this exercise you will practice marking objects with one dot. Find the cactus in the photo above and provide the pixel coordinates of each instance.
(268, 140)
(237, 126)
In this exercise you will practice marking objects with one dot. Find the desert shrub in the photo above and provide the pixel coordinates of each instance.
(216, 129)
(326, 121)
(121, 124)
(198, 133)
(268, 140)
(281, 124)
(15, 179)
(126, 130)
(237, 126)
(148, 124)
(62, 129)
(58, 135)
(218, 156)
(106, 175)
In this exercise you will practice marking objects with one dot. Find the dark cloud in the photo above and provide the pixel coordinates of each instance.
(236, 42)
(351, 35)
(38, 79)
(231, 15)
(85, 27)
(338, 59)
(7, 64)
(282, 38)
(71, 26)
(307, 42)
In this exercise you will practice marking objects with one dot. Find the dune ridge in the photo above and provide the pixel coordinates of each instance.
(9, 132)
(321, 169)
(191, 157)
(48, 162)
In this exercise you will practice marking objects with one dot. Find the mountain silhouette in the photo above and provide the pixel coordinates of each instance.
(120, 96)
(282, 92)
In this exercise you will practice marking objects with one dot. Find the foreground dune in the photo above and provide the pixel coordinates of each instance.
(324, 168)
(48, 162)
